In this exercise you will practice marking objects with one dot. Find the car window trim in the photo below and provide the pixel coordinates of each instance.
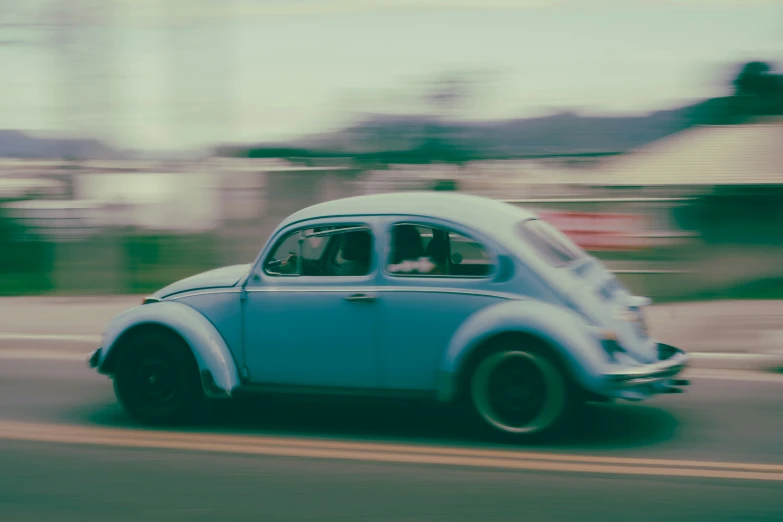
(528, 236)
(449, 228)
(347, 227)
(325, 233)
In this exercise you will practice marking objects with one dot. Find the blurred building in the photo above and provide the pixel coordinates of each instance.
(698, 158)
(722, 186)
(698, 209)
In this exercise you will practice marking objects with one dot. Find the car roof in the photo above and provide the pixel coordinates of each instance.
(475, 211)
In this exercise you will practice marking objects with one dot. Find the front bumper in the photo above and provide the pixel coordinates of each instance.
(639, 382)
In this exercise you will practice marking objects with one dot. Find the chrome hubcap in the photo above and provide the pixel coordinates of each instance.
(156, 381)
(518, 392)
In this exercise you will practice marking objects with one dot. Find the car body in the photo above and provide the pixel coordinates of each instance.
(489, 297)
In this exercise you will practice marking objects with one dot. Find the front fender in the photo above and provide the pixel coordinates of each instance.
(209, 348)
(564, 330)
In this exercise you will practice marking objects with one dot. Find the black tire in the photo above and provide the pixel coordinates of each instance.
(156, 378)
(521, 395)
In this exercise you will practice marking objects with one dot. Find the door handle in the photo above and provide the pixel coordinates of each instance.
(361, 298)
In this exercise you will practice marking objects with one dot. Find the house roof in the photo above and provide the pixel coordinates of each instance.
(704, 155)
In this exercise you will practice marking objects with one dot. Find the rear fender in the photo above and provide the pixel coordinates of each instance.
(560, 329)
(209, 349)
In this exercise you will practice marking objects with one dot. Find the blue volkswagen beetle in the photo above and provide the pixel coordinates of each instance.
(437, 296)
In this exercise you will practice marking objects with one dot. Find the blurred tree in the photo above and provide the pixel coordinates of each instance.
(758, 92)
(754, 79)
(447, 96)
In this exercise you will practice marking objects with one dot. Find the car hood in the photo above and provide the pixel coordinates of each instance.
(224, 277)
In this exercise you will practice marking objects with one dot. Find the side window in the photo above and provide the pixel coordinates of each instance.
(326, 251)
(418, 250)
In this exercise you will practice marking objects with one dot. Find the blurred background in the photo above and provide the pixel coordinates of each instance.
(142, 141)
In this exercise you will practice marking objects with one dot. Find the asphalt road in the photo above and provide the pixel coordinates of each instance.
(68, 452)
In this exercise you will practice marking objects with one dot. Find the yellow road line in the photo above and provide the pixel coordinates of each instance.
(406, 454)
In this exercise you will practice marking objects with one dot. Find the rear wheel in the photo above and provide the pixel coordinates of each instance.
(520, 394)
(156, 378)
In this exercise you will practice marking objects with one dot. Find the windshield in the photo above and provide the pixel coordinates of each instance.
(553, 245)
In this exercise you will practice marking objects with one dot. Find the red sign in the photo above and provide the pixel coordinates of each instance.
(600, 230)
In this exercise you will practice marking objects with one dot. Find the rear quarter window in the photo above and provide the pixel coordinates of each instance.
(550, 243)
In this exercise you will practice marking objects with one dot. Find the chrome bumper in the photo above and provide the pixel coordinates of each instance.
(661, 371)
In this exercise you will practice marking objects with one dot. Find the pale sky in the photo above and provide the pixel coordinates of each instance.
(162, 74)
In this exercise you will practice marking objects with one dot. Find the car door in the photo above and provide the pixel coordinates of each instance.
(310, 318)
(427, 300)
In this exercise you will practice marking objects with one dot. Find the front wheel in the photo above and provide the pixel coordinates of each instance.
(520, 394)
(157, 380)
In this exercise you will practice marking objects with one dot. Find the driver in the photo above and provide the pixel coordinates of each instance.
(355, 251)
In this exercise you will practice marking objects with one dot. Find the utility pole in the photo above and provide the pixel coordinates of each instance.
(83, 49)
(102, 64)
(201, 69)
(63, 19)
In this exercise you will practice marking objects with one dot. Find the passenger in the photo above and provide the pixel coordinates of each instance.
(408, 255)
(356, 252)
(438, 252)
